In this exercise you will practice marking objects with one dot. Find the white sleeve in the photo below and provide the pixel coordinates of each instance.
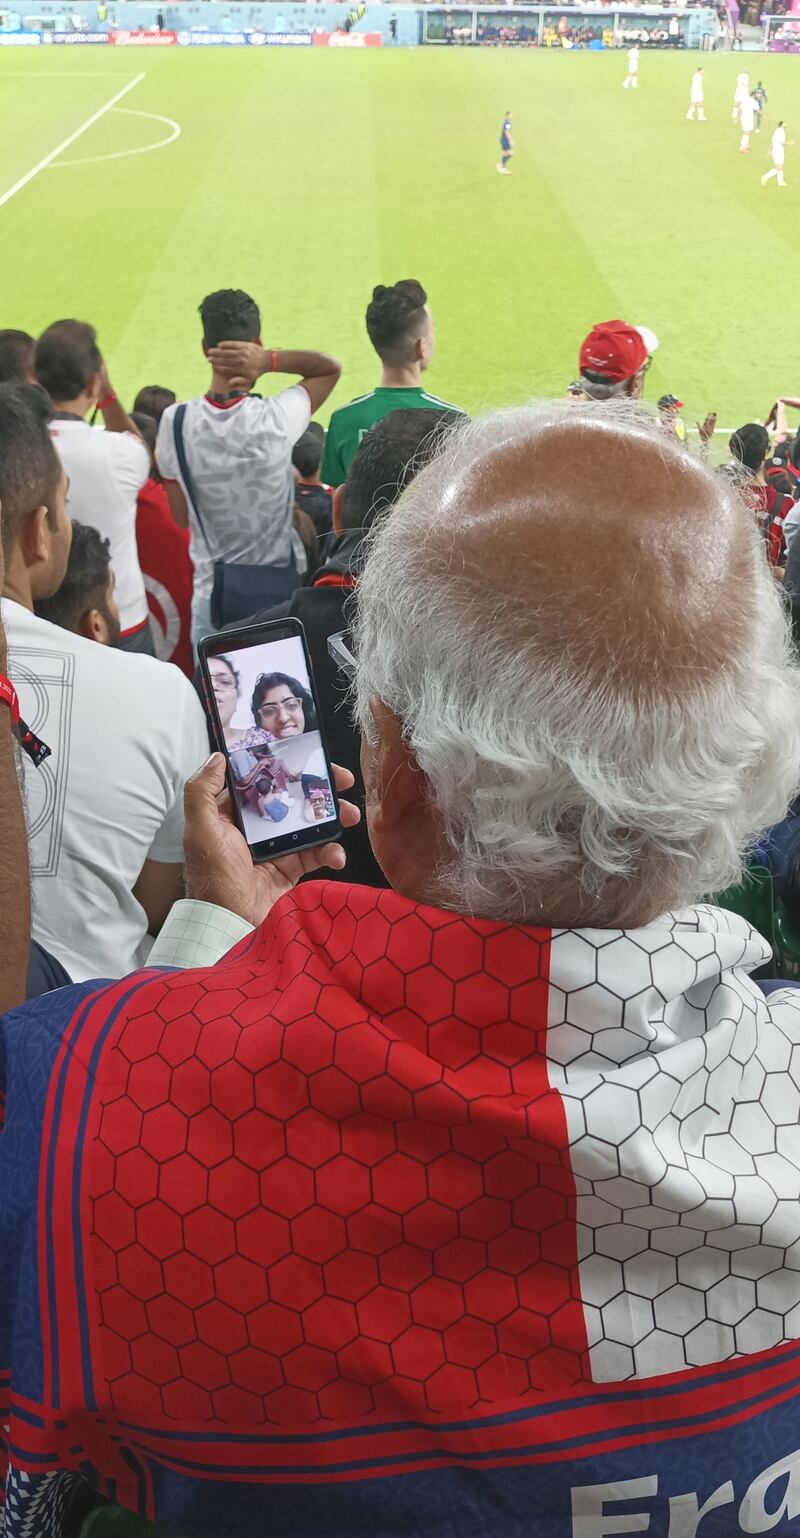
(191, 749)
(289, 413)
(130, 460)
(197, 934)
(791, 524)
(165, 446)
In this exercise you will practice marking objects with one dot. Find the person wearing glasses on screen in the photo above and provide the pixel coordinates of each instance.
(282, 707)
(225, 683)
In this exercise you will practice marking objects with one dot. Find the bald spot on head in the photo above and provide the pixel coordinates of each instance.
(599, 536)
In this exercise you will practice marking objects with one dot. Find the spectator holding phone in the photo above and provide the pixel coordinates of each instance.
(387, 458)
(459, 1175)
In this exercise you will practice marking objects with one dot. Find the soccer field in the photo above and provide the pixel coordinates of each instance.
(308, 176)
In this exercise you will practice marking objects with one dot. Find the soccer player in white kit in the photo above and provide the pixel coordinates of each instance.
(632, 77)
(747, 117)
(741, 93)
(777, 150)
(696, 98)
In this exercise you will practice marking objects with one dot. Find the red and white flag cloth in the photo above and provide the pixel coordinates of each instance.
(496, 1229)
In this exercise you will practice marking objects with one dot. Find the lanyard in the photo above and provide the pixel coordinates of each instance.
(36, 750)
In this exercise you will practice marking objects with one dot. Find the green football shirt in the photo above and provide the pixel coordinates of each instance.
(349, 424)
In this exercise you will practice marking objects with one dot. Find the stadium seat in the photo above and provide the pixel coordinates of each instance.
(787, 946)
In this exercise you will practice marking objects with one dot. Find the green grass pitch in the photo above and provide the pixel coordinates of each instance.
(308, 176)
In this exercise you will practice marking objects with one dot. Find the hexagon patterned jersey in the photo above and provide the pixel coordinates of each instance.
(389, 1161)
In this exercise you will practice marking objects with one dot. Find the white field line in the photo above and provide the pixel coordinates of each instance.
(143, 149)
(65, 143)
(63, 74)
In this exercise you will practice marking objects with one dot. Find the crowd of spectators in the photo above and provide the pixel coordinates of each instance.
(390, 1131)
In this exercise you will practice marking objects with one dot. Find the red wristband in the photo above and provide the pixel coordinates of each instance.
(9, 697)
(110, 400)
(274, 357)
(36, 750)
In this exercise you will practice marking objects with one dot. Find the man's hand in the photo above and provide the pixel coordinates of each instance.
(115, 417)
(104, 387)
(219, 866)
(707, 428)
(240, 362)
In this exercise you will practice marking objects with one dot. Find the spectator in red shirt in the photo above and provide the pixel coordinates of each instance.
(750, 450)
(164, 559)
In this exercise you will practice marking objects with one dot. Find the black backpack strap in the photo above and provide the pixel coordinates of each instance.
(183, 466)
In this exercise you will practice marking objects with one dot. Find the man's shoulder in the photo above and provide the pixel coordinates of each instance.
(354, 408)
(107, 668)
(194, 410)
(435, 403)
(266, 408)
(168, 416)
(328, 597)
(123, 450)
(73, 436)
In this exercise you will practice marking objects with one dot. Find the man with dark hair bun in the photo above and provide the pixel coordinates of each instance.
(400, 328)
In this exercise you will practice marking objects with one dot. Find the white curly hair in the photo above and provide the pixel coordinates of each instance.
(586, 767)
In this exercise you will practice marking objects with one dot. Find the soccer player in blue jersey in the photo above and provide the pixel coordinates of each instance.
(506, 146)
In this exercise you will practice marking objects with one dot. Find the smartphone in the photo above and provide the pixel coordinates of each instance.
(260, 697)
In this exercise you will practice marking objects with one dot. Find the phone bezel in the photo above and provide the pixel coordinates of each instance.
(226, 643)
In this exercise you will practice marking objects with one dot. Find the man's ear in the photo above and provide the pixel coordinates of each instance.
(94, 385)
(93, 626)
(397, 773)
(35, 537)
(404, 829)
(338, 510)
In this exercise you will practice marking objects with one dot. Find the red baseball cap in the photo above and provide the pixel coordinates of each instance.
(616, 350)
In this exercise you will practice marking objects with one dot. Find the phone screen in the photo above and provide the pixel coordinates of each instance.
(261, 698)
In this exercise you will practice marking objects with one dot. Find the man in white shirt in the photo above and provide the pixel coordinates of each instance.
(778, 152)
(696, 99)
(239, 498)
(747, 119)
(106, 470)
(632, 77)
(741, 93)
(105, 811)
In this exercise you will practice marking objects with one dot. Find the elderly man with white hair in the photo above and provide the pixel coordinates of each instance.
(471, 1207)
